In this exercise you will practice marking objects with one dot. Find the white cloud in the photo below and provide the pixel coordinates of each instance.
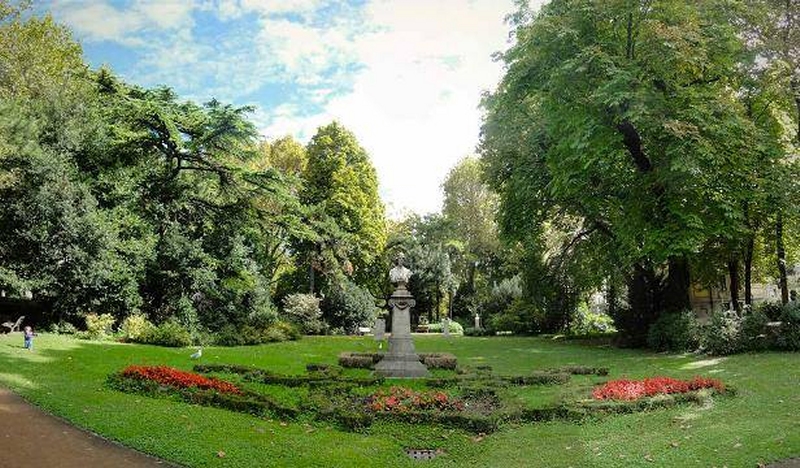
(100, 21)
(414, 103)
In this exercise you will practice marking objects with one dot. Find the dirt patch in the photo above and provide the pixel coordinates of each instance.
(30, 437)
(788, 463)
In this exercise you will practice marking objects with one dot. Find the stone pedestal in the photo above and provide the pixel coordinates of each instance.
(401, 360)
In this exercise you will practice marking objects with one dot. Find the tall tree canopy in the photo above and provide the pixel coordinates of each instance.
(618, 124)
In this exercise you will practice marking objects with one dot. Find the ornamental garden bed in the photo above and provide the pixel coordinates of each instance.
(473, 399)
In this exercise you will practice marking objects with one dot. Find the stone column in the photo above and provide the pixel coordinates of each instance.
(402, 359)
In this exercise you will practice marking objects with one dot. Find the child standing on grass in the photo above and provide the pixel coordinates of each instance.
(29, 334)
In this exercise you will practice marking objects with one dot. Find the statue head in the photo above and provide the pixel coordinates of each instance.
(399, 274)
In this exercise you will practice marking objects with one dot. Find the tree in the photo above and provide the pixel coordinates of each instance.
(469, 212)
(342, 183)
(621, 132)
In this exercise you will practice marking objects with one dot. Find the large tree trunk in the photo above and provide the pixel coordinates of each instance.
(748, 271)
(676, 292)
(733, 272)
(781, 252)
(643, 298)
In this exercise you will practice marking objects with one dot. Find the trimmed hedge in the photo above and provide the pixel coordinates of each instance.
(248, 402)
(253, 374)
(354, 360)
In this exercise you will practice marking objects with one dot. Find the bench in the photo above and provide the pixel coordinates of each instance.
(363, 330)
(14, 326)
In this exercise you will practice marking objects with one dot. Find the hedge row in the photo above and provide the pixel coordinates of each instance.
(368, 360)
(247, 402)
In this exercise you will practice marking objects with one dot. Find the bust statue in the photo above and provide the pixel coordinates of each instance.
(399, 274)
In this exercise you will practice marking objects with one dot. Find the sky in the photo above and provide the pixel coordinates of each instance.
(406, 76)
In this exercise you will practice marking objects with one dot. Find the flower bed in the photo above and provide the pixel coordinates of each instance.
(402, 400)
(625, 389)
(171, 377)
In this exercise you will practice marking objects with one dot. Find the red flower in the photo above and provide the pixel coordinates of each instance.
(624, 389)
(179, 379)
(401, 399)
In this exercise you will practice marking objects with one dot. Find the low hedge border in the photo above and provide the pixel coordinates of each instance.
(355, 360)
(247, 402)
(253, 374)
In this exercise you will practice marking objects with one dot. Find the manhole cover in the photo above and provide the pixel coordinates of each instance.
(423, 454)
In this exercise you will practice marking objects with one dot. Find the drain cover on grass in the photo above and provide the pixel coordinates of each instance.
(423, 454)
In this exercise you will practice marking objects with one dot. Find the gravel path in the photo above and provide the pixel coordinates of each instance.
(29, 437)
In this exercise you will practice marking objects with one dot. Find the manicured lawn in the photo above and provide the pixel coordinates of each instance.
(761, 423)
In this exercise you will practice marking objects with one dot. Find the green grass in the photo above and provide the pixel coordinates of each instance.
(759, 424)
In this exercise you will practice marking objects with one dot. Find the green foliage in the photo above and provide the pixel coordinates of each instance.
(135, 327)
(722, 333)
(674, 331)
(170, 333)
(519, 318)
(63, 328)
(588, 322)
(789, 337)
(99, 326)
(454, 327)
(342, 184)
(304, 311)
(348, 306)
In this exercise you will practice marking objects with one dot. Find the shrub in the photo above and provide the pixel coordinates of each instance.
(283, 331)
(250, 335)
(63, 328)
(99, 326)
(347, 306)
(169, 333)
(675, 331)
(439, 360)
(754, 334)
(134, 327)
(455, 328)
(471, 331)
(789, 336)
(502, 295)
(304, 310)
(722, 334)
(772, 309)
(587, 322)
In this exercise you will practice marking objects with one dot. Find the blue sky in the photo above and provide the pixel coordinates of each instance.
(405, 76)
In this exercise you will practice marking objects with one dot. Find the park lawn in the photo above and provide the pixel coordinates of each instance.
(760, 424)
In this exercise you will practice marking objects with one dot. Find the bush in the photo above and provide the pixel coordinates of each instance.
(63, 328)
(675, 331)
(304, 310)
(754, 334)
(789, 336)
(348, 306)
(169, 333)
(772, 309)
(99, 326)
(520, 318)
(283, 331)
(134, 327)
(455, 328)
(587, 322)
(722, 334)
(250, 335)
(472, 331)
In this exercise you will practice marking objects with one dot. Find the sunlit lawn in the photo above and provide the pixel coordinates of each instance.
(760, 424)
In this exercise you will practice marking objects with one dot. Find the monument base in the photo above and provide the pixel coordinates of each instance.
(401, 361)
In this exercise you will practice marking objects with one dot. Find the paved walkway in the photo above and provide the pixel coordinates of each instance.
(30, 437)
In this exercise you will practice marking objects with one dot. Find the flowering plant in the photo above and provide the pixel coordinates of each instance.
(179, 379)
(401, 399)
(625, 389)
